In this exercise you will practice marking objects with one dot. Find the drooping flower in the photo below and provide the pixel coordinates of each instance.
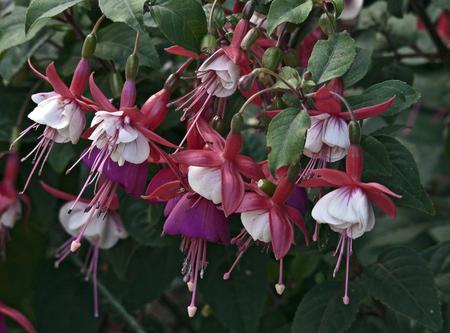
(327, 138)
(267, 214)
(101, 228)
(348, 210)
(194, 218)
(10, 199)
(60, 111)
(216, 172)
(352, 8)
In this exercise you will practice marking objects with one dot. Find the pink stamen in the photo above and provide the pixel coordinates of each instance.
(243, 246)
(316, 233)
(346, 299)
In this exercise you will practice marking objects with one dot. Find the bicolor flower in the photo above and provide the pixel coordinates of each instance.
(268, 214)
(102, 229)
(348, 210)
(121, 145)
(352, 8)
(216, 172)
(194, 218)
(59, 111)
(10, 200)
(327, 138)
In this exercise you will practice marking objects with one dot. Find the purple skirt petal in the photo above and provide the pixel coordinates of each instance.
(298, 199)
(196, 217)
(132, 177)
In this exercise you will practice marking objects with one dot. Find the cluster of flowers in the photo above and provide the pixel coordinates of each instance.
(205, 179)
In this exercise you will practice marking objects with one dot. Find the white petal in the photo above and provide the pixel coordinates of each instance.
(49, 112)
(313, 142)
(351, 9)
(11, 215)
(207, 182)
(127, 134)
(217, 62)
(257, 224)
(137, 151)
(39, 97)
(65, 217)
(335, 133)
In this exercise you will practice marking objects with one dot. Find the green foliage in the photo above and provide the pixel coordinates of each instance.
(292, 11)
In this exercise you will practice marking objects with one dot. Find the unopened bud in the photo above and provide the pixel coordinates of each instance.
(272, 58)
(171, 82)
(89, 44)
(327, 23)
(248, 10)
(354, 132)
(132, 67)
(266, 186)
(250, 38)
(246, 81)
(208, 44)
(217, 123)
(236, 123)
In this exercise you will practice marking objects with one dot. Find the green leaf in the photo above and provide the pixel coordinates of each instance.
(322, 310)
(12, 29)
(286, 137)
(404, 179)
(293, 11)
(142, 221)
(43, 9)
(376, 157)
(130, 12)
(183, 22)
(14, 58)
(218, 18)
(332, 58)
(359, 68)
(116, 43)
(438, 259)
(55, 290)
(381, 92)
(444, 4)
(402, 281)
(238, 302)
(290, 75)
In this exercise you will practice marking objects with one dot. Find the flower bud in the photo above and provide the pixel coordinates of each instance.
(132, 67)
(250, 38)
(155, 108)
(327, 23)
(128, 95)
(171, 82)
(246, 81)
(217, 123)
(266, 186)
(236, 123)
(272, 58)
(208, 44)
(248, 10)
(338, 7)
(116, 84)
(90, 42)
(290, 58)
(354, 131)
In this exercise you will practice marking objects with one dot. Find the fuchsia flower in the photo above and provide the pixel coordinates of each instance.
(10, 207)
(304, 50)
(216, 172)
(267, 216)
(18, 317)
(327, 139)
(60, 111)
(348, 210)
(352, 8)
(101, 228)
(196, 219)
(121, 145)
(442, 25)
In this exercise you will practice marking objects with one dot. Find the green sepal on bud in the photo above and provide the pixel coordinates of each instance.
(267, 186)
(272, 58)
(236, 123)
(250, 38)
(209, 44)
(89, 45)
(217, 123)
(132, 67)
(354, 132)
(116, 84)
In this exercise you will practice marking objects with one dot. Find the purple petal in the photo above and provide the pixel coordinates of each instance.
(298, 199)
(132, 177)
(196, 217)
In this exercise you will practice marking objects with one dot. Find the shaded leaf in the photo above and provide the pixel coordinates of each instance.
(438, 259)
(359, 68)
(130, 12)
(44, 9)
(376, 157)
(293, 11)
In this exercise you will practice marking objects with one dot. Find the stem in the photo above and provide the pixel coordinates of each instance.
(75, 27)
(120, 309)
(278, 77)
(420, 10)
(347, 106)
(210, 18)
(259, 93)
(136, 42)
(97, 24)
